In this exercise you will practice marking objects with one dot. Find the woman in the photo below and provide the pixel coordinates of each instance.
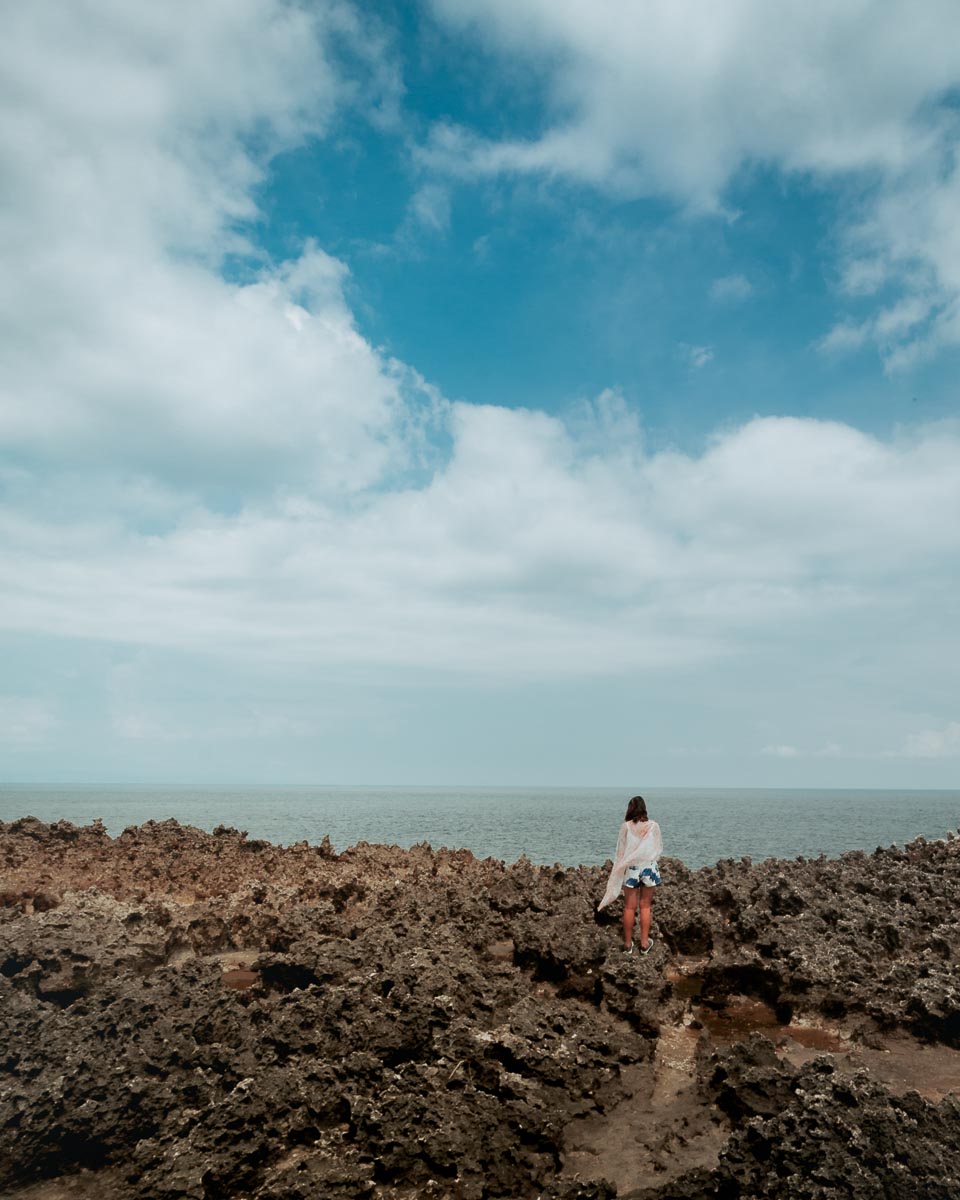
(639, 846)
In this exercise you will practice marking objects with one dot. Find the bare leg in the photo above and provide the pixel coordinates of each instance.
(646, 900)
(629, 913)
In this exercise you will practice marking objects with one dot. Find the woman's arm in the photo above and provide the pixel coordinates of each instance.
(621, 842)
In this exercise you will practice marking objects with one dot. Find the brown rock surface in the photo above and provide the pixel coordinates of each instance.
(185, 1014)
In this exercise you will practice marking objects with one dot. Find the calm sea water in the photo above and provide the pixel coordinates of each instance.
(548, 825)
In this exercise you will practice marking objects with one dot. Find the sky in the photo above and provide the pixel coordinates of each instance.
(491, 392)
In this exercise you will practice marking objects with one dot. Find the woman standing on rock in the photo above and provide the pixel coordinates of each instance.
(639, 846)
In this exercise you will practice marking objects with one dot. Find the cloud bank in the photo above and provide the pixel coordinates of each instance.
(529, 551)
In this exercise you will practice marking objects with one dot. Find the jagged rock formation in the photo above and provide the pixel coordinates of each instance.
(199, 1015)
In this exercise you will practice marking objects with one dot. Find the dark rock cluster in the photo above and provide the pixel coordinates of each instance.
(193, 1015)
(817, 1133)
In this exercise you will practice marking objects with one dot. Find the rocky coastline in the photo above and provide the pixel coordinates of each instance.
(188, 1015)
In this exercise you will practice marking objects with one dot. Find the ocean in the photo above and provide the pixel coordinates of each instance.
(549, 825)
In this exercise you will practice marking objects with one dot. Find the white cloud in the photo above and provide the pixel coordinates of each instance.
(935, 743)
(900, 330)
(430, 208)
(731, 288)
(142, 707)
(698, 356)
(863, 277)
(910, 237)
(529, 553)
(25, 720)
(781, 751)
(676, 97)
(425, 219)
(132, 145)
(844, 338)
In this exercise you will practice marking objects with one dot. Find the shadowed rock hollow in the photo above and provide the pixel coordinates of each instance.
(198, 1015)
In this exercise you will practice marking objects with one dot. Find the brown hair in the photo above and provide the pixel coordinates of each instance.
(637, 809)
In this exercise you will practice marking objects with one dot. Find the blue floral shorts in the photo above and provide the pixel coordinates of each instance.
(642, 875)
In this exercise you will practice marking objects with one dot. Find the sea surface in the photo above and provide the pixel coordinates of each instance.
(548, 825)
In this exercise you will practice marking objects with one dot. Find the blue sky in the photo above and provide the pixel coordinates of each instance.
(541, 293)
(481, 392)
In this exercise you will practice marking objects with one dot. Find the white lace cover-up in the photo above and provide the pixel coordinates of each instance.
(639, 844)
